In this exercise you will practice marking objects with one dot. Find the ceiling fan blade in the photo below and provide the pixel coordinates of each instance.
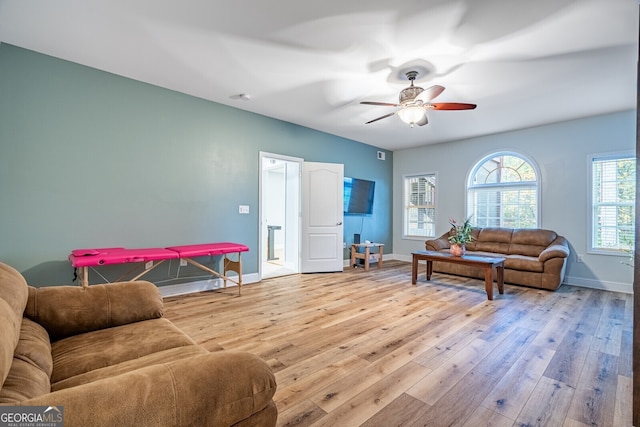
(429, 93)
(452, 106)
(380, 118)
(384, 104)
(423, 121)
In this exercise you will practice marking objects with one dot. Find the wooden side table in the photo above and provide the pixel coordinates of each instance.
(366, 256)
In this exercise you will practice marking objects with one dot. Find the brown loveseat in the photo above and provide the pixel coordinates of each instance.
(105, 356)
(534, 257)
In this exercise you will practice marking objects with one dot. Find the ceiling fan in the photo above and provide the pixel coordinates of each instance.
(415, 102)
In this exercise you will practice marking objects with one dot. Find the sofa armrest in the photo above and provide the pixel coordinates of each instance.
(212, 389)
(437, 244)
(70, 310)
(554, 251)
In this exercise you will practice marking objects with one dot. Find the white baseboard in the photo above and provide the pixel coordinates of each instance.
(204, 285)
(405, 258)
(625, 288)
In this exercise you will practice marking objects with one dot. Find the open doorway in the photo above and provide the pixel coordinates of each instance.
(279, 215)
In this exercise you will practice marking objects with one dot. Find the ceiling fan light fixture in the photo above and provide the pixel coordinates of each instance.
(415, 101)
(411, 115)
(409, 94)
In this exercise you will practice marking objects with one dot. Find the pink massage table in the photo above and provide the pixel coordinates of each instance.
(83, 259)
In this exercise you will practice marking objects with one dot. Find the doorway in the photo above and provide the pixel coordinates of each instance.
(280, 178)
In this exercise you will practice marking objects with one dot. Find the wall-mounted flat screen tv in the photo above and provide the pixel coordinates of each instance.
(358, 196)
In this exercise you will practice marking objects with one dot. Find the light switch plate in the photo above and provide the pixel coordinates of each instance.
(243, 209)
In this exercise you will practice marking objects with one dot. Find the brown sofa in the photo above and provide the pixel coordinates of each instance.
(107, 357)
(534, 257)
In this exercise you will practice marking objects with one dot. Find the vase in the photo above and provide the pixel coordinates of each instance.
(457, 250)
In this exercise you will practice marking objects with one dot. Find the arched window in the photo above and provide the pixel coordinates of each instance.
(503, 192)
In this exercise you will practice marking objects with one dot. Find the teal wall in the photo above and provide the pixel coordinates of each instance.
(91, 159)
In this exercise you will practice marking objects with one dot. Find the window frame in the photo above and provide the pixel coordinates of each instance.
(405, 205)
(591, 248)
(538, 182)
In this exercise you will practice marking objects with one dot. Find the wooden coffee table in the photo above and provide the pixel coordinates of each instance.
(488, 263)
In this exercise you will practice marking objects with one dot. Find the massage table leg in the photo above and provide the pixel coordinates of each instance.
(146, 270)
(231, 265)
(212, 271)
(83, 276)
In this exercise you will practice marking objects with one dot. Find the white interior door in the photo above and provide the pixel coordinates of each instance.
(322, 217)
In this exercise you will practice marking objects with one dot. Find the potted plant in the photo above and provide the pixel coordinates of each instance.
(459, 236)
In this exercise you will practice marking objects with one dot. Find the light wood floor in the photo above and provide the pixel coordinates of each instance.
(369, 349)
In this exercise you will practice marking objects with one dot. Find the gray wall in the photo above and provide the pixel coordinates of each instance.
(561, 152)
(90, 159)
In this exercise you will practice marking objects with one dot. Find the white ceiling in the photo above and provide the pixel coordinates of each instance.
(525, 63)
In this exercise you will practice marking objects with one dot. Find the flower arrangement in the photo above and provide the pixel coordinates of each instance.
(460, 234)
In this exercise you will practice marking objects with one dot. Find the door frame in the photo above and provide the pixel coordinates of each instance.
(261, 226)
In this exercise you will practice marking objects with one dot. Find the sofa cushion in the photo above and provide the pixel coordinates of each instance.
(496, 240)
(34, 346)
(106, 347)
(13, 299)
(25, 381)
(535, 237)
(31, 367)
(475, 233)
(165, 356)
(70, 310)
(530, 242)
(523, 263)
(526, 250)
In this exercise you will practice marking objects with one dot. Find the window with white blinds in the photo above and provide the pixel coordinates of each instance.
(613, 184)
(419, 205)
(503, 192)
